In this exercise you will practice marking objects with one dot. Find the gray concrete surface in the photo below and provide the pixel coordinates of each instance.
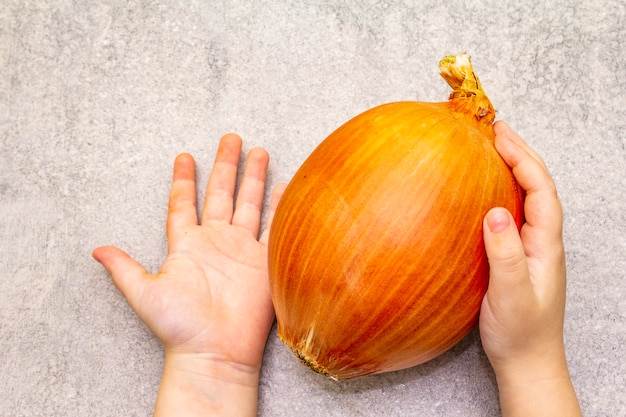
(97, 98)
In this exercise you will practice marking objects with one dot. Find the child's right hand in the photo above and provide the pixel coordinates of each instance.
(210, 303)
(521, 319)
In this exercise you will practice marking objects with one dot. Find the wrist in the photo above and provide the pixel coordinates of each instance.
(211, 368)
(205, 384)
(540, 386)
(532, 368)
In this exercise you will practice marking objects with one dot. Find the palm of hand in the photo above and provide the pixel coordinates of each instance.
(212, 293)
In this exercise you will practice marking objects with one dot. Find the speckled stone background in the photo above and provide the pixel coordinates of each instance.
(97, 98)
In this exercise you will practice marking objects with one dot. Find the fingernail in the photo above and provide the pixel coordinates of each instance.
(498, 220)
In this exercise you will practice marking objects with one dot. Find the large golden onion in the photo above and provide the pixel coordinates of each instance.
(376, 255)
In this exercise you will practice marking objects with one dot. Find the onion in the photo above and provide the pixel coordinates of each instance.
(376, 255)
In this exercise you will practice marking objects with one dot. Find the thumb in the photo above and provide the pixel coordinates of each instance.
(508, 267)
(128, 275)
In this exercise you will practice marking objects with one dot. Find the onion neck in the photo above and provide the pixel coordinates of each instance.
(468, 96)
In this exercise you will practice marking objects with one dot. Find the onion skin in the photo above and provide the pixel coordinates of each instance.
(376, 254)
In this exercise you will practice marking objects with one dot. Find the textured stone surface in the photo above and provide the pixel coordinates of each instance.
(97, 98)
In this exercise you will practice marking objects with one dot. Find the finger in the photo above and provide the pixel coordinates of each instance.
(128, 275)
(508, 268)
(277, 193)
(250, 197)
(218, 203)
(503, 129)
(542, 208)
(182, 203)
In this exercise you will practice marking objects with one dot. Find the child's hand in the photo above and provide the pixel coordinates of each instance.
(521, 319)
(210, 303)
